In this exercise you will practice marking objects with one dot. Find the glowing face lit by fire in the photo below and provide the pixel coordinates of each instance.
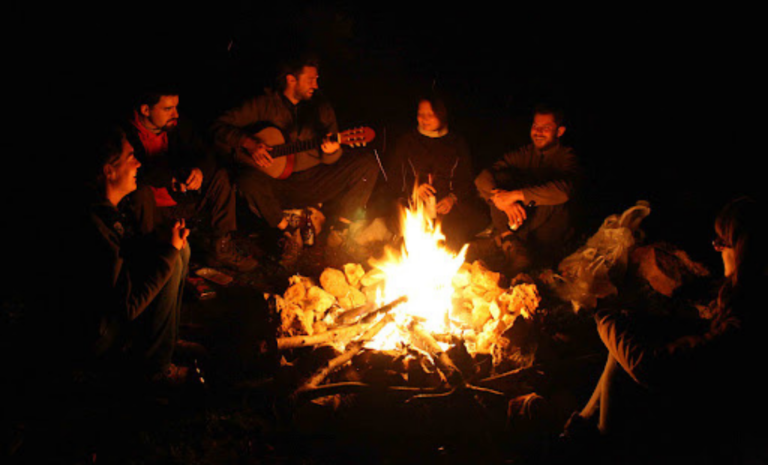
(163, 115)
(545, 132)
(426, 117)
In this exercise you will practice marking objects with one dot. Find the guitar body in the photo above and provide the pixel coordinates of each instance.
(284, 154)
(281, 167)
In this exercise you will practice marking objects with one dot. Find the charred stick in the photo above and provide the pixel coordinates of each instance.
(356, 387)
(426, 342)
(512, 381)
(294, 342)
(353, 315)
(474, 388)
(363, 313)
(354, 348)
(385, 309)
(367, 311)
(437, 395)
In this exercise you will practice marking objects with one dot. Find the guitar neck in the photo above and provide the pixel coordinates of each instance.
(296, 147)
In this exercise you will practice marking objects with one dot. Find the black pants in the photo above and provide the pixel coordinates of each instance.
(543, 236)
(346, 185)
(216, 196)
(147, 343)
(155, 332)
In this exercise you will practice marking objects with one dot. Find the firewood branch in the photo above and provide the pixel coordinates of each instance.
(424, 341)
(353, 349)
(340, 333)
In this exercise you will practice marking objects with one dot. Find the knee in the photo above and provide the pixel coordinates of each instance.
(184, 254)
(368, 165)
(250, 182)
(180, 266)
(221, 177)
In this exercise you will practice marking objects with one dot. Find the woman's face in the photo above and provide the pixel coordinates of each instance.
(727, 254)
(729, 261)
(426, 117)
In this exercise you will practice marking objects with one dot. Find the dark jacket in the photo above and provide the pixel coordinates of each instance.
(306, 121)
(707, 378)
(550, 178)
(120, 276)
(187, 149)
(446, 158)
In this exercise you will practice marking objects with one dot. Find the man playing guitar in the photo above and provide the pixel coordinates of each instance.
(311, 176)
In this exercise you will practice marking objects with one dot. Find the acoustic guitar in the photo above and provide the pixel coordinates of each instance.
(284, 154)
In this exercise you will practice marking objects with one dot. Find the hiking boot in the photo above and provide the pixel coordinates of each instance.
(340, 233)
(337, 237)
(292, 246)
(171, 376)
(516, 256)
(226, 254)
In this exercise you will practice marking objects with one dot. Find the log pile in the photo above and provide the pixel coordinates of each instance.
(338, 309)
(308, 308)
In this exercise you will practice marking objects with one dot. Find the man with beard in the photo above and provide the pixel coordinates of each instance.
(542, 173)
(311, 176)
(180, 178)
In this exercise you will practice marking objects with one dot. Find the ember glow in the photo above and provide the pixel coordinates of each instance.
(423, 271)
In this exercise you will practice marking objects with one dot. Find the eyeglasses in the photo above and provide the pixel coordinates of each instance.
(719, 244)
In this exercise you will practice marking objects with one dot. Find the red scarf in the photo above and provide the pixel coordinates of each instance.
(154, 145)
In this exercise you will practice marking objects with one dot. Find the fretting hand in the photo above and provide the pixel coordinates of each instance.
(330, 146)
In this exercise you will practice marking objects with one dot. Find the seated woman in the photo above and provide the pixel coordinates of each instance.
(700, 391)
(437, 163)
(129, 315)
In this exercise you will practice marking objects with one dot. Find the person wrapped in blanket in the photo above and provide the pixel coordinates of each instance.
(697, 389)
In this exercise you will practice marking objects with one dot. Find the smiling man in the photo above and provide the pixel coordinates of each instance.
(544, 173)
(180, 177)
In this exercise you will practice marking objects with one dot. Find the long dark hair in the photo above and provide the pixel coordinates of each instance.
(741, 225)
(106, 145)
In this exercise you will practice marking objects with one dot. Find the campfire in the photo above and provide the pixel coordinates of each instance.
(420, 303)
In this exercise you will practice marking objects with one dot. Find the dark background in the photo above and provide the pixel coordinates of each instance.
(659, 101)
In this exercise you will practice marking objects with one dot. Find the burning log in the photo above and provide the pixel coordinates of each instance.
(336, 334)
(515, 381)
(386, 308)
(339, 334)
(355, 314)
(314, 381)
(424, 341)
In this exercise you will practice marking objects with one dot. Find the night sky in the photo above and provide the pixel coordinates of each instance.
(657, 99)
